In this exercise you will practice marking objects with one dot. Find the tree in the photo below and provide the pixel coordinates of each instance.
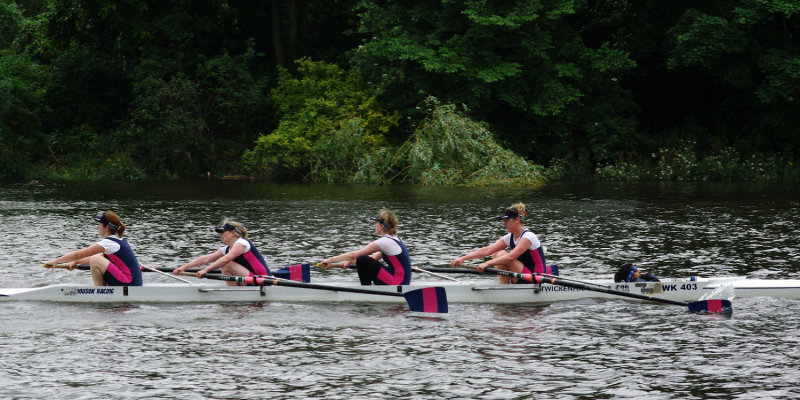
(749, 53)
(520, 65)
(23, 86)
(319, 101)
(10, 23)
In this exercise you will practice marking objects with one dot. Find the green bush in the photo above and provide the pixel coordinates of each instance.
(620, 171)
(317, 106)
(682, 163)
(83, 154)
(449, 148)
(340, 155)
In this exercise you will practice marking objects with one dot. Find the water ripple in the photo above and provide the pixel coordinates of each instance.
(569, 350)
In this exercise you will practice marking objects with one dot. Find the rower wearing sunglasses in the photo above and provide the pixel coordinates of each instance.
(396, 266)
(238, 257)
(525, 255)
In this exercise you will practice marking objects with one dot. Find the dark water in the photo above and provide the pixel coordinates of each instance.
(586, 349)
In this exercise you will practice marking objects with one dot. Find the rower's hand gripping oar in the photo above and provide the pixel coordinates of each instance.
(82, 267)
(430, 299)
(297, 272)
(711, 306)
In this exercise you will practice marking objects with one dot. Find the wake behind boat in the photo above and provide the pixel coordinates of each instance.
(685, 290)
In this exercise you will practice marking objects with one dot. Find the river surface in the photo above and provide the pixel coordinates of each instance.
(571, 350)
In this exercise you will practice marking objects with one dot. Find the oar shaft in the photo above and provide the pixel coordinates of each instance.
(66, 265)
(592, 287)
(553, 280)
(169, 270)
(601, 289)
(415, 269)
(449, 270)
(526, 277)
(255, 280)
(418, 269)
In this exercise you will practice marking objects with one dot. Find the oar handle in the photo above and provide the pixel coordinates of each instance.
(336, 264)
(84, 267)
(471, 267)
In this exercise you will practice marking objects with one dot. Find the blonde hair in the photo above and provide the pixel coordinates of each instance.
(520, 209)
(390, 219)
(238, 226)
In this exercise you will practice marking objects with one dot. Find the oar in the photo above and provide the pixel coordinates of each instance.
(430, 299)
(83, 267)
(171, 276)
(297, 272)
(427, 271)
(415, 269)
(450, 270)
(473, 269)
(712, 306)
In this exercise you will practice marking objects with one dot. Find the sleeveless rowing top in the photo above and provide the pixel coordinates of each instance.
(533, 257)
(397, 270)
(127, 271)
(251, 258)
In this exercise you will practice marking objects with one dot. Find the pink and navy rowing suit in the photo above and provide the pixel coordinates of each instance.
(532, 258)
(123, 267)
(397, 270)
(250, 258)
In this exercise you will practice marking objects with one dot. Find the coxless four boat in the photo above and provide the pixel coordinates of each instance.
(473, 291)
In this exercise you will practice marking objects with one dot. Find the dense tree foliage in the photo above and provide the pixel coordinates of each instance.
(521, 65)
(450, 148)
(313, 108)
(339, 90)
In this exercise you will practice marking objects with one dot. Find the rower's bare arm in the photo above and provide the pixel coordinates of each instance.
(350, 257)
(480, 253)
(77, 255)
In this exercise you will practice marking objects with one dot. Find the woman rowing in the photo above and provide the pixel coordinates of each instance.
(526, 253)
(389, 247)
(111, 260)
(238, 257)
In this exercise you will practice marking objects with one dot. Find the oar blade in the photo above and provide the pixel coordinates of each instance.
(711, 306)
(430, 300)
(297, 273)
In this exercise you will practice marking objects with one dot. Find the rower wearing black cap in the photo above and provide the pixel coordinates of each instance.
(396, 268)
(525, 255)
(238, 257)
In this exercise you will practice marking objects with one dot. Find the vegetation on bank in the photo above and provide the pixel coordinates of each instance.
(430, 92)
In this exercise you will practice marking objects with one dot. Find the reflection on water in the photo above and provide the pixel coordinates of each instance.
(582, 349)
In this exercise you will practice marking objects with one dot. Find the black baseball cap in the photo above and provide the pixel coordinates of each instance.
(228, 227)
(380, 221)
(101, 218)
(510, 212)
